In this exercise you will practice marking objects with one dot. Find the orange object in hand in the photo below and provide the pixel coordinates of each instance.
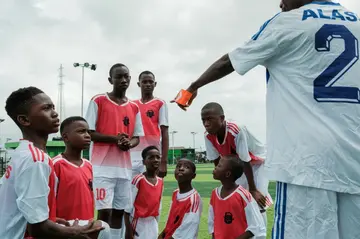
(183, 97)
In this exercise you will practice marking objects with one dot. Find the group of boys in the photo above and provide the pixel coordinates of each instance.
(55, 198)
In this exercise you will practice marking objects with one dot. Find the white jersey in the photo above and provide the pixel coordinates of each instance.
(313, 111)
(24, 191)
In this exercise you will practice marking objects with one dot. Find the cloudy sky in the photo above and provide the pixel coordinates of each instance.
(177, 40)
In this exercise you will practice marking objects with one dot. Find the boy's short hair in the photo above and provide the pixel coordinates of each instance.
(236, 166)
(146, 150)
(19, 101)
(68, 121)
(115, 66)
(146, 73)
(214, 106)
(192, 164)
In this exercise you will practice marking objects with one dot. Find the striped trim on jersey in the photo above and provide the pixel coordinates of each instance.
(245, 194)
(135, 181)
(37, 154)
(195, 202)
(232, 128)
(278, 230)
(59, 158)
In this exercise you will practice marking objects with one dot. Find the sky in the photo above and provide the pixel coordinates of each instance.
(177, 40)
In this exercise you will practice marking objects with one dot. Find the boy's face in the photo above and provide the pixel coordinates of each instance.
(222, 170)
(147, 83)
(77, 135)
(41, 116)
(184, 171)
(120, 78)
(212, 121)
(152, 160)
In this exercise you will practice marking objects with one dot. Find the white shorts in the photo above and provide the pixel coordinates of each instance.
(311, 213)
(104, 234)
(112, 193)
(145, 228)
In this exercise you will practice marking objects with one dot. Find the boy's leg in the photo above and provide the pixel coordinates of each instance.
(305, 213)
(104, 195)
(122, 199)
(349, 216)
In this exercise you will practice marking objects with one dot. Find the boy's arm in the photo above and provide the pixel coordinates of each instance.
(242, 150)
(211, 153)
(91, 118)
(211, 220)
(138, 131)
(164, 128)
(256, 226)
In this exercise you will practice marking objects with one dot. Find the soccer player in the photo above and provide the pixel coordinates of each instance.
(311, 52)
(27, 194)
(224, 138)
(74, 194)
(154, 117)
(233, 212)
(115, 127)
(186, 205)
(141, 219)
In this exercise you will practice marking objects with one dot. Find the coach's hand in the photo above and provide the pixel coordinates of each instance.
(259, 198)
(187, 102)
(85, 231)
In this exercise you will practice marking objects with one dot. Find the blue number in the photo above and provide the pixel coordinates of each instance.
(324, 91)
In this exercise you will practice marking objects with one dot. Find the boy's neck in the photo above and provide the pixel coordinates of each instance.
(150, 174)
(221, 133)
(185, 187)
(73, 155)
(38, 140)
(228, 185)
(118, 94)
(146, 97)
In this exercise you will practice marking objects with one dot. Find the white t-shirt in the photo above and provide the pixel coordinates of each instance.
(24, 191)
(313, 111)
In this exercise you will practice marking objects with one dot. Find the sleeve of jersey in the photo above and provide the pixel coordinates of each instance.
(92, 114)
(31, 187)
(163, 115)
(258, 50)
(134, 192)
(242, 148)
(254, 220)
(211, 152)
(190, 224)
(139, 130)
(211, 219)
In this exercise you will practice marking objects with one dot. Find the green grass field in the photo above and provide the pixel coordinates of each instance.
(204, 184)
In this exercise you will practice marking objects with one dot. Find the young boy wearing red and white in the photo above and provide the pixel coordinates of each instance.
(233, 212)
(186, 205)
(74, 194)
(27, 193)
(154, 117)
(224, 138)
(115, 125)
(141, 219)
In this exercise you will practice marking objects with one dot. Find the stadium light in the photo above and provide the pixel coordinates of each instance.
(173, 144)
(193, 134)
(1, 120)
(84, 65)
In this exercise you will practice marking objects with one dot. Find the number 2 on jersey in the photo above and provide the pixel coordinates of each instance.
(324, 91)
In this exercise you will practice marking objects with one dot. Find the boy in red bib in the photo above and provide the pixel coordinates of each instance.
(75, 177)
(141, 220)
(233, 212)
(186, 205)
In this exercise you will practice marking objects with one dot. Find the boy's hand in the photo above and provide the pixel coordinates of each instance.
(84, 232)
(123, 142)
(259, 198)
(62, 222)
(162, 170)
